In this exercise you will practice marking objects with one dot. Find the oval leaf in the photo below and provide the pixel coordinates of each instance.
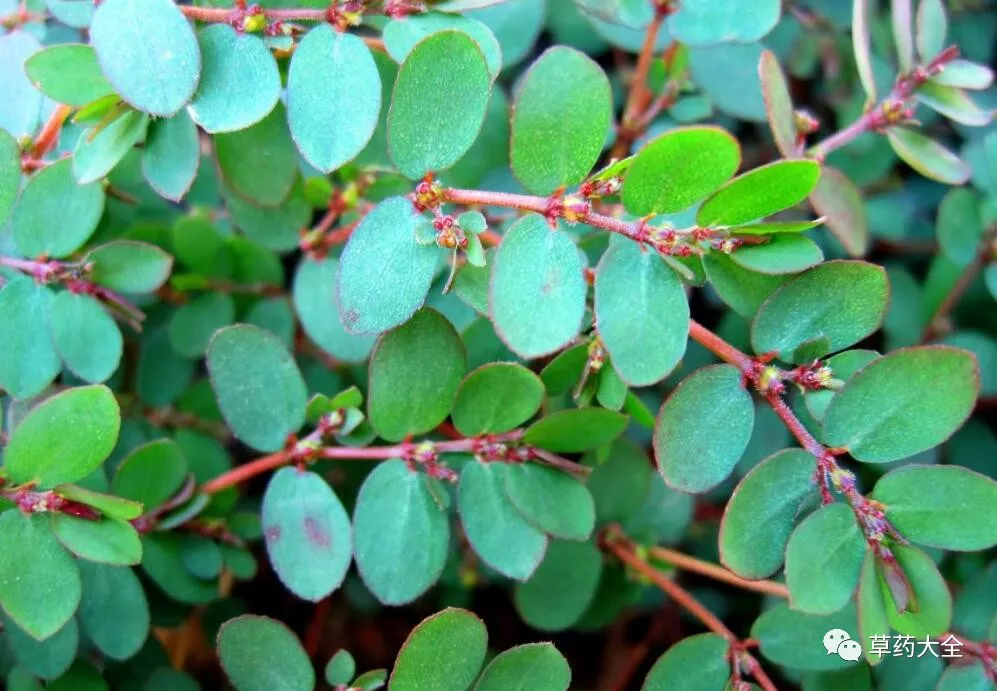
(759, 193)
(64, 438)
(642, 313)
(438, 104)
(533, 665)
(308, 534)
(400, 534)
(560, 120)
(913, 412)
(149, 53)
(823, 560)
(260, 391)
(762, 511)
(333, 97)
(444, 653)
(800, 311)
(537, 291)
(261, 654)
(497, 532)
(941, 506)
(703, 428)
(239, 84)
(415, 371)
(384, 274)
(496, 398)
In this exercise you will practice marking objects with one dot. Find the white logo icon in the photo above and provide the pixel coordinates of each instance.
(840, 642)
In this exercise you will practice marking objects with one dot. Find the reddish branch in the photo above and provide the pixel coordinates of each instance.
(741, 659)
(499, 447)
(716, 572)
(939, 322)
(892, 110)
(74, 277)
(50, 132)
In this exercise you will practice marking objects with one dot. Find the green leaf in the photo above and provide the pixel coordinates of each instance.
(871, 607)
(620, 484)
(108, 540)
(438, 103)
(262, 654)
(171, 155)
(562, 373)
(496, 531)
(95, 158)
(496, 398)
(558, 594)
(308, 533)
(960, 227)
(840, 202)
(576, 429)
(913, 412)
(791, 638)
(551, 500)
(928, 157)
(274, 227)
(953, 103)
(739, 21)
(703, 428)
(28, 360)
(402, 35)
(444, 653)
(778, 105)
(965, 75)
(902, 35)
(48, 659)
(782, 254)
(162, 561)
(560, 120)
(930, 611)
(86, 337)
(260, 162)
(39, 581)
(400, 534)
(931, 27)
(333, 97)
(194, 323)
(109, 505)
(341, 668)
(384, 274)
(743, 290)
(696, 663)
(151, 474)
(130, 267)
(537, 291)
(971, 677)
(415, 371)
(10, 175)
(68, 73)
(260, 391)
(823, 560)
(642, 313)
(114, 612)
(22, 103)
(800, 310)
(149, 53)
(532, 665)
(941, 506)
(727, 74)
(314, 294)
(775, 227)
(41, 228)
(762, 511)
(759, 193)
(64, 438)
(240, 83)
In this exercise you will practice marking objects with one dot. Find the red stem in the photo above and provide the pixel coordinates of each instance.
(49, 135)
(877, 117)
(984, 255)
